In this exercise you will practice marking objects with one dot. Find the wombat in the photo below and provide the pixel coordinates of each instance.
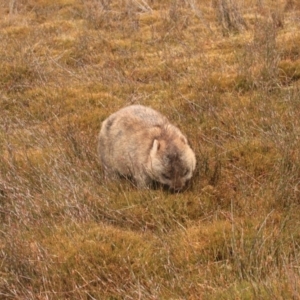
(139, 142)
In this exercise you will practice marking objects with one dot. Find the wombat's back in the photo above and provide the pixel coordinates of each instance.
(126, 137)
(141, 115)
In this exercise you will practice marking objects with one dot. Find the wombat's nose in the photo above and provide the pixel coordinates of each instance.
(177, 186)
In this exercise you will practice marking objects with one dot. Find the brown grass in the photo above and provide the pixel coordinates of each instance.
(227, 74)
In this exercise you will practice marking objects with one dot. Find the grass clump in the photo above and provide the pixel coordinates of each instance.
(229, 16)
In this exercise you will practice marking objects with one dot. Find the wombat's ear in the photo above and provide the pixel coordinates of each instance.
(183, 138)
(155, 147)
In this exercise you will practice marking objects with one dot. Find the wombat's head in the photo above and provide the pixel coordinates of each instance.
(171, 162)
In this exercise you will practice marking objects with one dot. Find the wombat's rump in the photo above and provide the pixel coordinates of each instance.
(139, 142)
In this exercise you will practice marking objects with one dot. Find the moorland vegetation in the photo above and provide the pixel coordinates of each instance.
(226, 72)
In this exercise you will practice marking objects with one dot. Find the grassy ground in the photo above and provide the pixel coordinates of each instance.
(226, 72)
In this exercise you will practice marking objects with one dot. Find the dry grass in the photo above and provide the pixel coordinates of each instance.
(226, 74)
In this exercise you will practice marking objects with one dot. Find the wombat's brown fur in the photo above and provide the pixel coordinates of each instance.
(139, 142)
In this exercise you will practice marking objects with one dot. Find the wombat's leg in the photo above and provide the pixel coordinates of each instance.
(142, 181)
(109, 174)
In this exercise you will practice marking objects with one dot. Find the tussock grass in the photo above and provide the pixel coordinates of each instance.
(226, 74)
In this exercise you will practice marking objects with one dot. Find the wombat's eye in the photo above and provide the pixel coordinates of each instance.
(165, 176)
(186, 172)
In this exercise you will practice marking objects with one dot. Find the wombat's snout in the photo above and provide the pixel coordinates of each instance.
(177, 184)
